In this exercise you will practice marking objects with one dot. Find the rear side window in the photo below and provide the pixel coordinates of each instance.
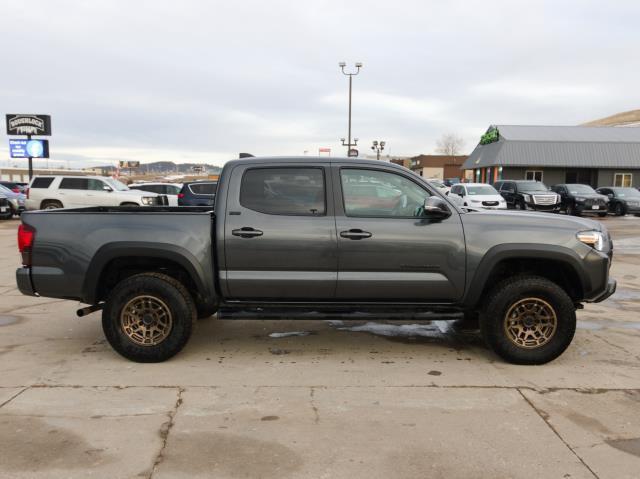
(74, 184)
(41, 182)
(284, 191)
(203, 188)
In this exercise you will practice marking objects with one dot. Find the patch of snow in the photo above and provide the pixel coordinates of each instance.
(289, 333)
(434, 330)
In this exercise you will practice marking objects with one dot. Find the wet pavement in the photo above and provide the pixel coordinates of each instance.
(342, 398)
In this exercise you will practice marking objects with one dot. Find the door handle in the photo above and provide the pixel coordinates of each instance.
(246, 232)
(355, 234)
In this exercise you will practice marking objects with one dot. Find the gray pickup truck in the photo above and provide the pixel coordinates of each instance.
(329, 235)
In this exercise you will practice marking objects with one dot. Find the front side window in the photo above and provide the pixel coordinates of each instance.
(96, 185)
(284, 191)
(380, 194)
(508, 187)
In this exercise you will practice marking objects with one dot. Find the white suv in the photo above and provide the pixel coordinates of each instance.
(50, 192)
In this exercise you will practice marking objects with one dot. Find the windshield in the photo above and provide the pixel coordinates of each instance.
(626, 192)
(580, 189)
(116, 185)
(532, 186)
(481, 190)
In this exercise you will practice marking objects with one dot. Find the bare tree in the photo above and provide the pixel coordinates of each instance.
(450, 144)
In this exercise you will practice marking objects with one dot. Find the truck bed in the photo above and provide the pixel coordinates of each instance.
(73, 247)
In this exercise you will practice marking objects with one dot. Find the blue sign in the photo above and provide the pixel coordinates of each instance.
(29, 148)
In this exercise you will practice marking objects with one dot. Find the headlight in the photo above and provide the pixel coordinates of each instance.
(579, 198)
(527, 198)
(147, 200)
(558, 198)
(593, 238)
(475, 201)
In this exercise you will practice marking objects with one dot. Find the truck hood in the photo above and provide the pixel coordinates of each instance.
(550, 219)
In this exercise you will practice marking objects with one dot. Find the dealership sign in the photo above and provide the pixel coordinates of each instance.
(24, 124)
(28, 148)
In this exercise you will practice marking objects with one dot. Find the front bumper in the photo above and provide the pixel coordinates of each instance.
(610, 289)
(546, 208)
(589, 210)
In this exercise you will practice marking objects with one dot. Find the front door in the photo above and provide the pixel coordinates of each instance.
(280, 237)
(386, 251)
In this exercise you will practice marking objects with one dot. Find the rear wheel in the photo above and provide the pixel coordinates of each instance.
(148, 317)
(51, 205)
(528, 320)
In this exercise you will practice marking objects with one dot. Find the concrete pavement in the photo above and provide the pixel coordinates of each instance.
(342, 399)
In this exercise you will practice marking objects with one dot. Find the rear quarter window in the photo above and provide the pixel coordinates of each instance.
(203, 188)
(41, 182)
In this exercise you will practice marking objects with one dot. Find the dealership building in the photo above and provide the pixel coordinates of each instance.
(593, 155)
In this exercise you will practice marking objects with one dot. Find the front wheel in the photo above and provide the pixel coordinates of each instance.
(148, 317)
(528, 320)
(619, 210)
(520, 205)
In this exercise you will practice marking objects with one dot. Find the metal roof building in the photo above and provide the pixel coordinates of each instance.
(599, 156)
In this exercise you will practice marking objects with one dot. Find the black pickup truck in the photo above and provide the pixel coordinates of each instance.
(293, 235)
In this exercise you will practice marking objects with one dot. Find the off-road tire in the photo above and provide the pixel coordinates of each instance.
(509, 292)
(164, 288)
(50, 205)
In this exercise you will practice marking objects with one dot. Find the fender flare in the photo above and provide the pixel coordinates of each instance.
(122, 249)
(530, 251)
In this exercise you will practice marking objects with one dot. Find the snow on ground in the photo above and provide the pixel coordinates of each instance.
(435, 329)
(289, 333)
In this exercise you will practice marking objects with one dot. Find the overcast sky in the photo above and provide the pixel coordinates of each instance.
(203, 80)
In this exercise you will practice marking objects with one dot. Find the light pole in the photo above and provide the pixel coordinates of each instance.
(342, 66)
(378, 146)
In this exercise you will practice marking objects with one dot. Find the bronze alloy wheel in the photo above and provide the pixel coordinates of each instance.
(530, 323)
(146, 320)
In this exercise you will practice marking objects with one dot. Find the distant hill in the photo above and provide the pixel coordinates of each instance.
(627, 118)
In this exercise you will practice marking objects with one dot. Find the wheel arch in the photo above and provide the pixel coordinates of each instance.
(556, 263)
(116, 261)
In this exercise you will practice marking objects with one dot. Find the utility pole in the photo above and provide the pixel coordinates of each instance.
(342, 66)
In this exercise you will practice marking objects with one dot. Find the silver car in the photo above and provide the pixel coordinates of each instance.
(16, 200)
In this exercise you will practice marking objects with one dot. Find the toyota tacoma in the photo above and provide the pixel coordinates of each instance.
(323, 235)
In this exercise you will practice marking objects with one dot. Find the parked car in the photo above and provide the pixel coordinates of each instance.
(444, 189)
(528, 195)
(16, 200)
(580, 199)
(273, 249)
(5, 208)
(622, 200)
(14, 186)
(451, 181)
(198, 193)
(477, 195)
(52, 192)
(171, 190)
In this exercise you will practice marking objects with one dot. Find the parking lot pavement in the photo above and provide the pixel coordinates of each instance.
(318, 399)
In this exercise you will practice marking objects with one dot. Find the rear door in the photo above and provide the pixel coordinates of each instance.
(279, 234)
(385, 251)
(73, 192)
(508, 192)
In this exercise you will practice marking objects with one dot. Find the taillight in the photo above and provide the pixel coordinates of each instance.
(180, 195)
(26, 236)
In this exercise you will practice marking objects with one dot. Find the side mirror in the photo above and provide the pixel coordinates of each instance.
(436, 208)
(461, 195)
(107, 188)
